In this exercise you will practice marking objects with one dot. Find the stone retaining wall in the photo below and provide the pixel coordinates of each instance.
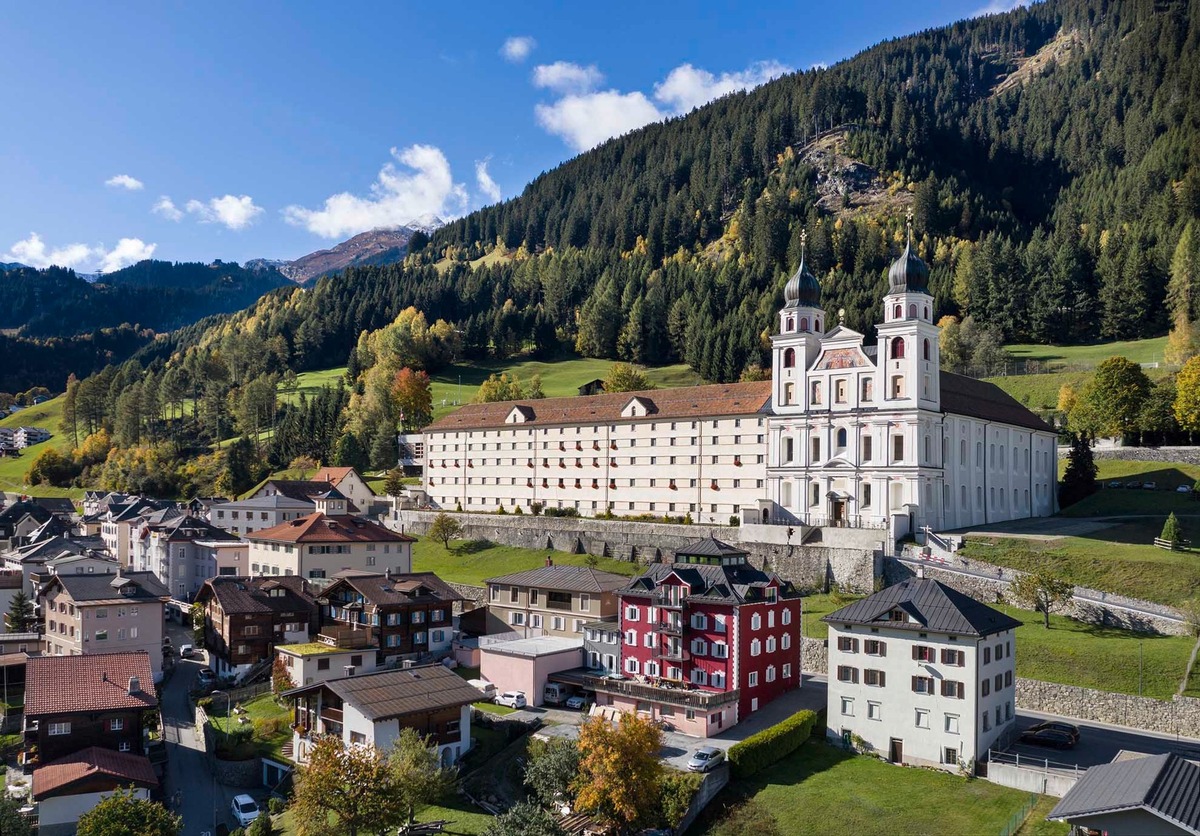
(1106, 612)
(809, 567)
(477, 594)
(1179, 716)
(1166, 455)
(814, 656)
(245, 774)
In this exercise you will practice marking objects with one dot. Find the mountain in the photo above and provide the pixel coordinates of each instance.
(376, 246)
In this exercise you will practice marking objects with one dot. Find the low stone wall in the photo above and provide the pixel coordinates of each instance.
(245, 774)
(809, 567)
(814, 656)
(476, 594)
(1166, 455)
(1090, 606)
(1179, 716)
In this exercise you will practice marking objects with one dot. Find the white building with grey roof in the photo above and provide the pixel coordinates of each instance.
(921, 674)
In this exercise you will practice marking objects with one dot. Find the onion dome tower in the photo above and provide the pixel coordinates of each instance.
(908, 338)
(798, 342)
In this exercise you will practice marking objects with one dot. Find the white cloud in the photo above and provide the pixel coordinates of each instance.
(565, 77)
(488, 187)
(34, 252)
(585, 119)
(128, 251)
(166, 207)
(396, 198)
(999, 7)
(820, 65)
(124, 181)
(687, 87)
(517, 48)
(232, 212)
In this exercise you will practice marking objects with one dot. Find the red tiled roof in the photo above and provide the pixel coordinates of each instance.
(332, 475)
(94, 682)
(122, 767)
(319, 528)
(664, 404)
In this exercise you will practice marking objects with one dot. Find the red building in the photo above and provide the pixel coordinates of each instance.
(706, 640)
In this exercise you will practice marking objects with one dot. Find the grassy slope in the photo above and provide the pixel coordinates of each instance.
(12, 471)
(1070, 652)
(820, 789)
(470, 563)
(1058, 356)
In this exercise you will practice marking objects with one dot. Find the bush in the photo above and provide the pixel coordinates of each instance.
(205, 703)
(276, 806)
(678, 788)
(758, 751)
(535, 508)
(266, 727)
(735, 521)
(561, 512)
(261, 826)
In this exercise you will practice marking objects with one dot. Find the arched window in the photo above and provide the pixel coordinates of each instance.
(817, 326)
(841, 438)
(925, 348)
(896, 312)
(791, 324)
(912, 311)
(926, 315)
(898, 349)
(804, 323)
(789, 358)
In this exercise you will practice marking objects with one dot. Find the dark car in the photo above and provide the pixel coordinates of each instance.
(1053, 738)
(1134, 484)
(1054, 725)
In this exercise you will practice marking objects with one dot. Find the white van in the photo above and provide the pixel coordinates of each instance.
(484, 687)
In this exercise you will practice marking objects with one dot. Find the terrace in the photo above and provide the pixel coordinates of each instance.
(683, 697)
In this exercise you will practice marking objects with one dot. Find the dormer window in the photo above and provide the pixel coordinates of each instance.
(897, 615)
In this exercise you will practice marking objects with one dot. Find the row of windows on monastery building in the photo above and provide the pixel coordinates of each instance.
(594, 505)
(595, 461)
(595, 445)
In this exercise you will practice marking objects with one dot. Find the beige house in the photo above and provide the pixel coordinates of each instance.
(552, 600)
(85, 614)
(350, 484)
(309, 662)
(326, 542)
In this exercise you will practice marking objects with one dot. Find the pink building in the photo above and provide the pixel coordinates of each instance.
(706, 640)
(526, 664)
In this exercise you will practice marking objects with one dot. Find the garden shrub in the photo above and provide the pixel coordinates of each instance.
(678, 789)
(758, 751)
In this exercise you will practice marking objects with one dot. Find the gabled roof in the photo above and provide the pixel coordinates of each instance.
(1166, 785)
(735, 583)
(689, 402)
(979, 399)
(98, 588)
(88, 683)
(297, 488)
(246, 596)
(55, 504)
(274, 502)
(566, 578)
(322, 528)
(710, 547)
(189, 528)
(384, 590)
(334, 475)
(120, 768)
(933, 607)
(387, 694)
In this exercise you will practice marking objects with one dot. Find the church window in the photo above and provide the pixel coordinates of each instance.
(785, 497)
(925, 348)
(866, 495)
(840, 391)
(992, 456)
(816, 391)
(789, 358)
(867, 452)
(962, 455)
(912, 311)
(925, 386)
(816, 494)
(898, 386)
(1002, 497)
(818, 326)
(804, 323)
(789, 450)
(841, 438)
(816, 450)
(926, 313)
(791, 325)
(928, 451)
(979, 497)
(896, 312)
(868, 389)
(979, 454)
(897, 448)
(898, 349)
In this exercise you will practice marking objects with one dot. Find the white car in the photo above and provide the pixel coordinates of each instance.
(245, 809)
(186, 651)
(513, 699)
(1183, 489)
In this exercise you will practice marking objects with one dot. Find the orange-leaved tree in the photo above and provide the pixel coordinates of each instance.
(620, 775)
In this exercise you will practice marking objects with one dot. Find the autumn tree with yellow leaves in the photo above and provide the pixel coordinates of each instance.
(620, 775)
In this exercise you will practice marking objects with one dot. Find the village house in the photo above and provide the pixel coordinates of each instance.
(1135, 795)
(350, 484)
(67, 788)
(707, 640)
(921, 674)
(104, 614)
(167, 545)
(29, 436)
(320, 545)
(372, 708)
(246, 617)
(244, 516)
(552, 600)
(121, 522)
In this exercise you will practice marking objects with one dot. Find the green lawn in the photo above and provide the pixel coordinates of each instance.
(821, 789)
(1039, 392)
(12, 471)
(470, 563)
(1036, 824)
(464, 818)
(1071, 652)
(493, 708)
(1122, 501)
(1120, 559)
(260, 710)
(1057, 356)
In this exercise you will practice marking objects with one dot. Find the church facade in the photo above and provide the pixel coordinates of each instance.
(844, 434)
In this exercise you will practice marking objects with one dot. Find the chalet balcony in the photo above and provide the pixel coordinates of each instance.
(671, 654)
(331, 715)
(684, 697)
(346, 636)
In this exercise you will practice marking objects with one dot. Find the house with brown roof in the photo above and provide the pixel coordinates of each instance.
(552, 600)
(246, 617)
(328, 541)
(350, 484)
(98, 613)
(374, 707)
(73, 703)
(67, 788)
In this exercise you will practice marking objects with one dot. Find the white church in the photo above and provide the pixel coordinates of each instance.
(844, 435)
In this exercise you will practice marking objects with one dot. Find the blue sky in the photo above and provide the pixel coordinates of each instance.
(195, 131)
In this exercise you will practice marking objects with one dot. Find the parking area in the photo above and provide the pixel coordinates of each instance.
(1100, 744)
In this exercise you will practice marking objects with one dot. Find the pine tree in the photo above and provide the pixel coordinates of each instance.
(1079, 480)
(20, 616)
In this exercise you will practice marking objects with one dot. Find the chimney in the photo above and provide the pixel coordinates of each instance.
(350, 669)
(549, 560)
(135, 686)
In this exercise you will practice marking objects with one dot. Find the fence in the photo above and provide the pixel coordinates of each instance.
(1040, 776)
(1018, 818)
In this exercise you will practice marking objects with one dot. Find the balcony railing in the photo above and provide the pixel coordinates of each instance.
(671, 654)
(331, 715)
(684, 697)
(557, 605)
(674, 628)
(346, 636)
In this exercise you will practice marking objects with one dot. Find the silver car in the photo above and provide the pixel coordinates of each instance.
(705, 759)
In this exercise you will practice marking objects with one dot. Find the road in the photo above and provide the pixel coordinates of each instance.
(189, 775)
(1099, 743)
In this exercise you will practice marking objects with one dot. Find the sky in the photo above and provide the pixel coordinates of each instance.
(202, 131)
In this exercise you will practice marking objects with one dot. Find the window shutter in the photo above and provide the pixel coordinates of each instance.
(916, 654)
(882, 678)
(960, 691)
(882, 648)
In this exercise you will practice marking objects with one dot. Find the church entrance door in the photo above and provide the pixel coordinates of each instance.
(838, 512)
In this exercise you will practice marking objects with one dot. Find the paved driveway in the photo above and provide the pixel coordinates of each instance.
(1099, 743)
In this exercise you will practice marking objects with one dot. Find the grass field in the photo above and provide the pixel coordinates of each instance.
(1123, 502)
(823, 790)
(1058, 356)
(12, 471)
(1119, 559)
(471, 562)
(258, 710)
(464, 818)
(1071, 652)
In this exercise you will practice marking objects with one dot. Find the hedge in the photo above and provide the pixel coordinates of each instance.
(760, 750)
